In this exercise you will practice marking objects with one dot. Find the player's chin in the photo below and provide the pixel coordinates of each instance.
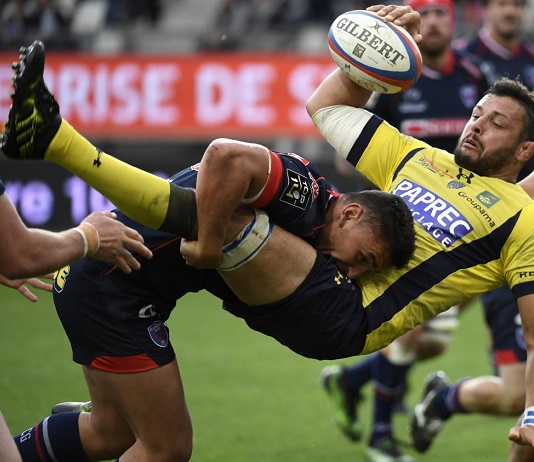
(466, 158)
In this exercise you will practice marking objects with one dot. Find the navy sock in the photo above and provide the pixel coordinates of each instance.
(358, 375)
(390, 384)
(56, 438)
(447, 401)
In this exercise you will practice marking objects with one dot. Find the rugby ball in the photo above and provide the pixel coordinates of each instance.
(373, 53)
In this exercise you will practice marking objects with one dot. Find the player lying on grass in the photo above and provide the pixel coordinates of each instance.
(458, 255)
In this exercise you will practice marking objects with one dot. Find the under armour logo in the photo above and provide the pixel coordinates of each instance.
(97, 162)
(462, 176)
(339, 278)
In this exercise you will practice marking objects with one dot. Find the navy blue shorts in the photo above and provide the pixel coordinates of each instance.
(116, 322)
(504, 321)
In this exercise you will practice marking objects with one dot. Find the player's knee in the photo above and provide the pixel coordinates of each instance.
(105, 436)
(512, 405)
(430, 349)
(168, 445)
(437, 334)
(178, 450)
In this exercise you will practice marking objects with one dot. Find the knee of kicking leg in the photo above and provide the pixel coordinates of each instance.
(172, 444)
(437, 334)
(179, 450)
(513, 404)
(105, 437)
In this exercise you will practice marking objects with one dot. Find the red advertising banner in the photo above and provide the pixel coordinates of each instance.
(181, 96)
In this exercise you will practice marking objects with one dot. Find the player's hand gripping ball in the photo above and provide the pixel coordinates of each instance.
(373, 53)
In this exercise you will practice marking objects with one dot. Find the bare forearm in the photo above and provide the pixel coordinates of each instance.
(337, 89)
(39, 252)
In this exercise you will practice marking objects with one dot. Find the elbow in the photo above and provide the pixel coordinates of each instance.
(223, 151)
(311, 106)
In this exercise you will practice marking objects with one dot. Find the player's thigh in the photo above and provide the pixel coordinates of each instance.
(275, 272)
(513, 377)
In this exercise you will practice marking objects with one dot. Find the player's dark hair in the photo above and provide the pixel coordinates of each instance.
(516, 90)
(391, 220)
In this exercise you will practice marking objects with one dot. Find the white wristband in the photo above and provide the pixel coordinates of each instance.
(85, 243)
(528, 417)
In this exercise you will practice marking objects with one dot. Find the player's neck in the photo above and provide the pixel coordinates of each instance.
(509, 42)
(438, 62)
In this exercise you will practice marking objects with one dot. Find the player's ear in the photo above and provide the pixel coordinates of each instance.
(526, 150)
(353, 211)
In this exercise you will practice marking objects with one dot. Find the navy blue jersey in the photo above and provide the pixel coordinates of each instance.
(503, 62)
(438, 106)
(116, 321)
(296, 196)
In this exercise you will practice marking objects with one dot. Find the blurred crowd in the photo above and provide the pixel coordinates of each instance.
(231, 25)
(55, 21)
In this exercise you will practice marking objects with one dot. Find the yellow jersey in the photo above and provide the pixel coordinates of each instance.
(473, 233)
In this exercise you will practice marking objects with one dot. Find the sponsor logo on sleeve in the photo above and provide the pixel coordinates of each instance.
(298, 190)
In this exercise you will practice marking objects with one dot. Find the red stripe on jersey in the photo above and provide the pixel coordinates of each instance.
(38, 444)
(505, 357)
(272, 185)
(124, 364)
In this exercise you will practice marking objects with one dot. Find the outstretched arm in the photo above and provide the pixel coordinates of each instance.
(29, 252)
(337, 89)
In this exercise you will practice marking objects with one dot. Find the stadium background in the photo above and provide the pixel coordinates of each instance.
(153, 82)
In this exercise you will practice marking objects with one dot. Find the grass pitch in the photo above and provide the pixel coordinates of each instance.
(250, 398)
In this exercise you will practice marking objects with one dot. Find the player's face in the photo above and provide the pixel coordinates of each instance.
(504, 17)
(437, 31)
(356, 250)
(491, 137)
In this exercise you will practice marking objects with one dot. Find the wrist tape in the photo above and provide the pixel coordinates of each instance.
(90, 237)
(248, 242)
(528, 416)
